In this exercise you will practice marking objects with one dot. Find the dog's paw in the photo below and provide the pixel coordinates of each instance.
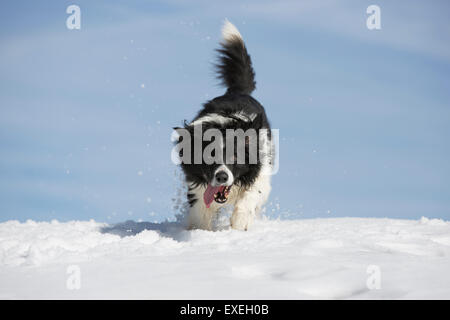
(239, 227)
(240, 221)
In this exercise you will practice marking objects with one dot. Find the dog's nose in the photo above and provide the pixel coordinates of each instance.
(221, 177)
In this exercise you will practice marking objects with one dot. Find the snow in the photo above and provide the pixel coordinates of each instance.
(332, 258)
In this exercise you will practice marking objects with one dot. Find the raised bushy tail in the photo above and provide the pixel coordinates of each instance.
(235, 66)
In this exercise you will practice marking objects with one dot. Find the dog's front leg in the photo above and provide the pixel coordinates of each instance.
(199, 216)
(249, 204)
(243, 214)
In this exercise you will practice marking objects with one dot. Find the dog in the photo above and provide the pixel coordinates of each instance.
(246, 185)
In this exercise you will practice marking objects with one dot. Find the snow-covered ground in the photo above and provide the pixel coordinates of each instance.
(340, 258)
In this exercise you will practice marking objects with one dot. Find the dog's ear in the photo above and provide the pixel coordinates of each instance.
(177, 134)
(180, 132)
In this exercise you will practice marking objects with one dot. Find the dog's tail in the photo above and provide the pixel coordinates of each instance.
(235, 66)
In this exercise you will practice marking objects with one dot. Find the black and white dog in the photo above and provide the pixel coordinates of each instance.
(246, 185)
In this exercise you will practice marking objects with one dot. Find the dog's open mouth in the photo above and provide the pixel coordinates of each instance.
(222, 195)
(218, 194)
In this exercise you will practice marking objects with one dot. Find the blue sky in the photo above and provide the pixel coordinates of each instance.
(86, 115)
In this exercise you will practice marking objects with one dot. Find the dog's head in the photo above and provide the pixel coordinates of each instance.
(219, 155)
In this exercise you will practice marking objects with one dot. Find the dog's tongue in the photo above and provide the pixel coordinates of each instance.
(208, 196)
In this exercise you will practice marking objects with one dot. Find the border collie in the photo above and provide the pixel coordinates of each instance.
(245, 185)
